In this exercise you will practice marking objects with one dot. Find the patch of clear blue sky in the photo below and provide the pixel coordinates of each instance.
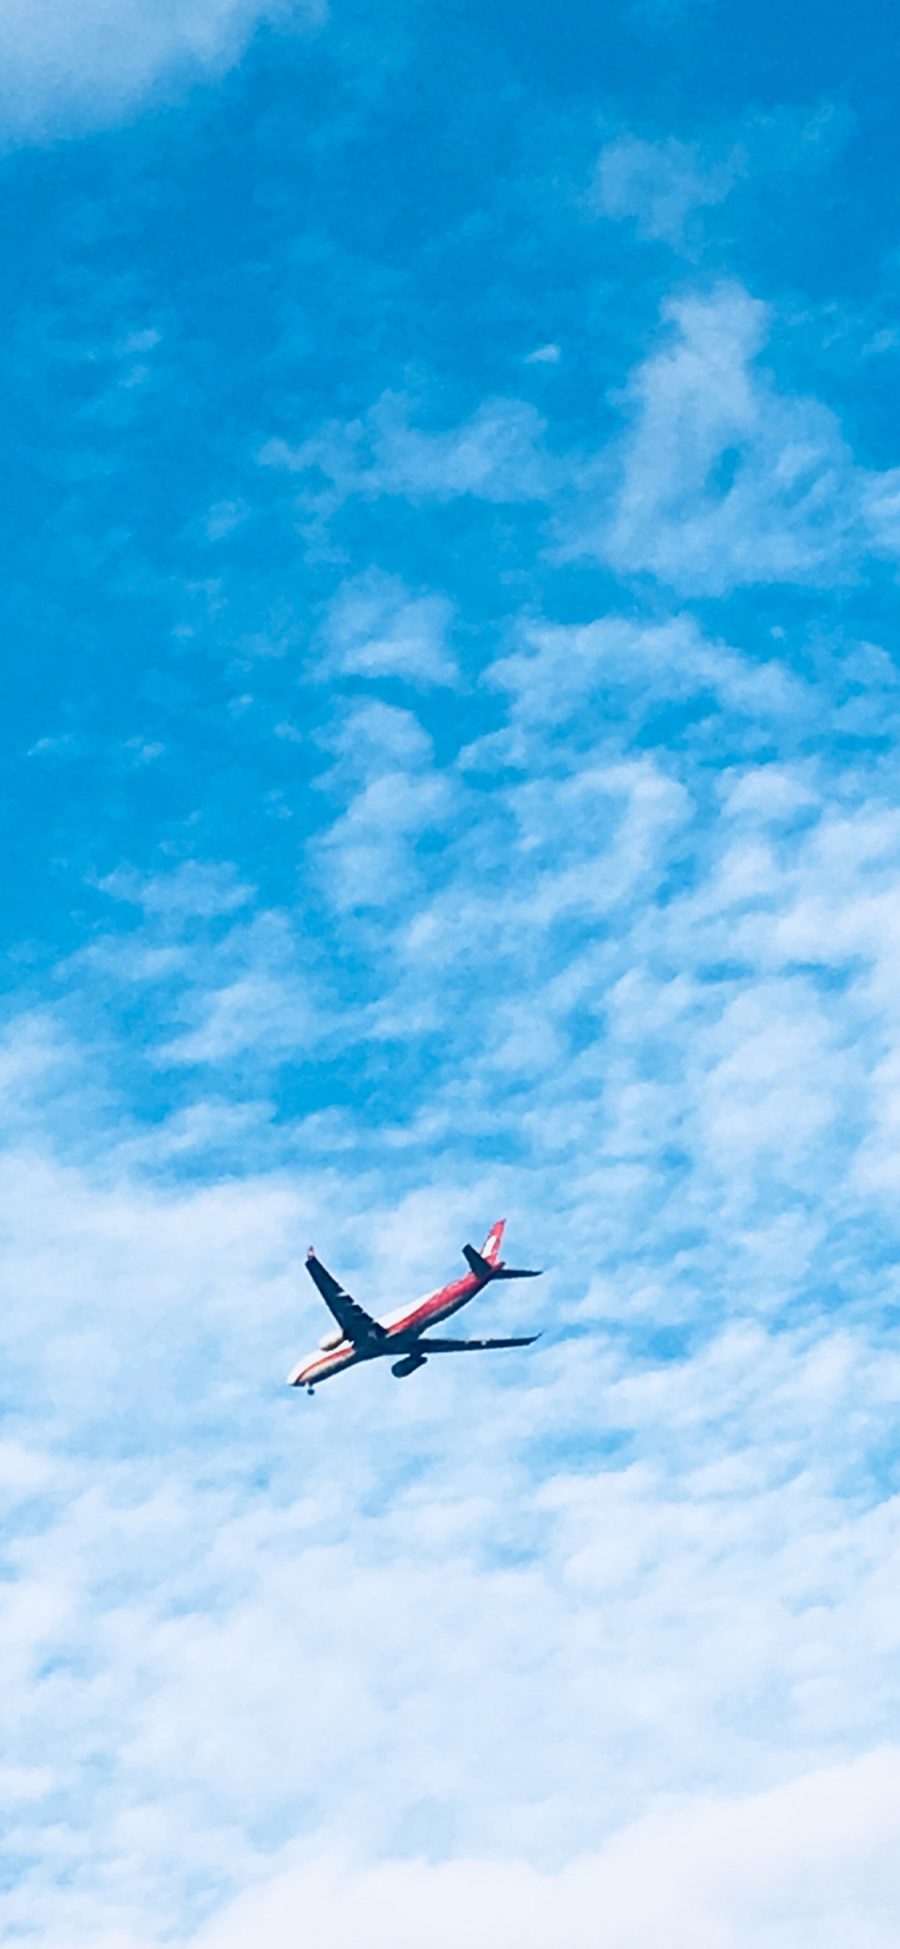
(398, 203)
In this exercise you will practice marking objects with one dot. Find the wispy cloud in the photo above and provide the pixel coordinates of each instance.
(377, 628)
(497, 455)
(397, 801)
(659, 184)
(84, 62)
(724, 480)
(544, 355)
(194, 890)
(665, 185)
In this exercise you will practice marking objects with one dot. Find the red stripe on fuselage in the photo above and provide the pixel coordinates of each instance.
(438, 1307)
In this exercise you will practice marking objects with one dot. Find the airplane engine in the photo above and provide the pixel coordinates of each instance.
(407, 1365)
(331, 1340)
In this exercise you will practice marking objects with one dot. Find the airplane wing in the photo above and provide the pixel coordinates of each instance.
(355, 1323)
(473, 1346)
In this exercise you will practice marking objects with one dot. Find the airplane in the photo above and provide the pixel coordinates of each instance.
(357, 1336)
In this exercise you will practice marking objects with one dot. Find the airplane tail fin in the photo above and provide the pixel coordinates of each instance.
(487, 1263)
(491, 1247)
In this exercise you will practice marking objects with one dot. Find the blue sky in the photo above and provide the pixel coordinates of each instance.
(451, 534)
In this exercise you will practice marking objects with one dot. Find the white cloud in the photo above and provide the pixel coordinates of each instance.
(68, 64)
(882, 507)
(368, 857)
(377, 628)
(221, 976)
(811, 1862)
(256, 1011)
(194, 890)
(566, 668)
(722, 480)
(246, 993)
(659, 184)
(496, 455)
(664, 185)
(394, 803)
(371, 737)
(63, 746)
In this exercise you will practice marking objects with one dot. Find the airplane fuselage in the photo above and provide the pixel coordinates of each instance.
(402, 1331)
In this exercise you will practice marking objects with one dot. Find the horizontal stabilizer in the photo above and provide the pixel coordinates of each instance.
(483, 1269)
(474, 1346)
